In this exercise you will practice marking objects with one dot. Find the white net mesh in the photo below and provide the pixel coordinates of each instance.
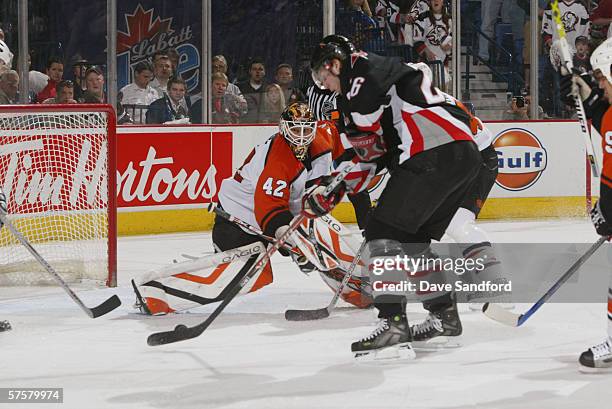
(54, 172)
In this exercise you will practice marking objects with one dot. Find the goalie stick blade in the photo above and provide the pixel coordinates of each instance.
(106, 307)
(306, 315)
(501, 315)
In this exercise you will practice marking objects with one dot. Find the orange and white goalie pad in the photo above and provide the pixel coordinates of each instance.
(205, 280)
(331, 247)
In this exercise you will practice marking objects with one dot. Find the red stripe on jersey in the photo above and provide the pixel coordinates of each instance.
(372, 128)
(609, 305)
(454, 132)
(417, 137)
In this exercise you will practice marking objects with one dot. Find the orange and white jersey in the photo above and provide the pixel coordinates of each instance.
(267, 190)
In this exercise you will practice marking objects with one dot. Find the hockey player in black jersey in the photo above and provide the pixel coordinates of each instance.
(399, 120)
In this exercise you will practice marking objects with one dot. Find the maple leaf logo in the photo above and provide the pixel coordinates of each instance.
(140, 26)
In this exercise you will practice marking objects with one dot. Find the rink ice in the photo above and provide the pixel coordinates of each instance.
(252, 358)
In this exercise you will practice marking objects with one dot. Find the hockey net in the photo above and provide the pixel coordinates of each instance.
(57, 169)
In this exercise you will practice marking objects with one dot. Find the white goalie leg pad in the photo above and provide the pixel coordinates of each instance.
(189, 284)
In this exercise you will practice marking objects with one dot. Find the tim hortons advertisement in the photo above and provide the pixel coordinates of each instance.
(167, 168)
(41, 171)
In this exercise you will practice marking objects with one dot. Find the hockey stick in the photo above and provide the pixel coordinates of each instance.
(501, 315)
(569, 65)
(106, 307)
(320, 313)
(182, 332)
(212, 207)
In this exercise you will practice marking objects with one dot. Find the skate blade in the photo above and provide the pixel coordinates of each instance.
(437, 343)
(593, 371)
(402, 351)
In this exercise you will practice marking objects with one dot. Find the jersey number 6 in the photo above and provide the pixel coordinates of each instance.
(268, 187)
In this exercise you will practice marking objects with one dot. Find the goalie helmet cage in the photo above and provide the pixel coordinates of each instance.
(58, 170)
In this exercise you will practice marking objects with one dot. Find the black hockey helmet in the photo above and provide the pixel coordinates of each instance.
(330, 47)
(298, 126)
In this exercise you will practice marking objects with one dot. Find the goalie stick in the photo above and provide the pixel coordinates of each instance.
(212, 207)
(95, 312)
(320, 313)
(503, 316)
(182, 332)
(569, 65)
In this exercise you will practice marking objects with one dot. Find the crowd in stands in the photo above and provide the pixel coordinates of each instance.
(421, 28)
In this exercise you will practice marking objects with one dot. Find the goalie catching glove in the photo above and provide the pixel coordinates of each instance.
(316, 204)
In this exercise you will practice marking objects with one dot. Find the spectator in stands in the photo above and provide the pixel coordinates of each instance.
(6, 56)
(582, 58)
(253, 89)
(283, 76)
(602, 16)
(355, 21)
(168, 108)
(123, 117)
(64, 93)
(55, 72)
(432, 35)
(9, 86)
(138, 95)
(94, 83)
(389, 18)
(79, 67)
(519, 108)
(273, 104)
(37, 81)
(576, 20)
(174, 56)
(226, 108)
(162, 69)
(219, 64)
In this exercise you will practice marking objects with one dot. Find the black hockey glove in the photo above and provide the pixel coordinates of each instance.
(316, 204)
(570, 83)
(603, 227)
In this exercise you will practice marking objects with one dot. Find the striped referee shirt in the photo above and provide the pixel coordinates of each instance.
(322, 102)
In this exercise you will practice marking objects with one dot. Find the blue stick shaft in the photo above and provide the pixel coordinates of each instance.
(524, 317)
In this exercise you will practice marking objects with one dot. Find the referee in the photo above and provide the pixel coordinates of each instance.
(323, 105)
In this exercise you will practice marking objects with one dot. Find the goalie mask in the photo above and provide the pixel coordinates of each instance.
(298, 126)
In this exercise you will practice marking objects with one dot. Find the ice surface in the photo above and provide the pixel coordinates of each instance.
(252, 358)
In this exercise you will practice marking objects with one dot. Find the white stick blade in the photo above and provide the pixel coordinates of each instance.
(501, 315)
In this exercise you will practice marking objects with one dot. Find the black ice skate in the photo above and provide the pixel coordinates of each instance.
(598, 358)
(440, 329)
(390, 340)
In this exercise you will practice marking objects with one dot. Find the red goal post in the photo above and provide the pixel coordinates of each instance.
(58, 170)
